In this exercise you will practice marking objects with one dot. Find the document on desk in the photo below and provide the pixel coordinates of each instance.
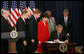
(54, 42)
(50, 42)
(61, 42)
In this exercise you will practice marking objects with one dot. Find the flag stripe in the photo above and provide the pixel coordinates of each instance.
(14, 14)
(12, 20)
(15, 19)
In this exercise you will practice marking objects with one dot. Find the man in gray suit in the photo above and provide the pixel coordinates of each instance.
(51, 22)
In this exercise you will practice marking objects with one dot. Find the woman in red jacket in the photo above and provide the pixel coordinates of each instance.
(43, 32)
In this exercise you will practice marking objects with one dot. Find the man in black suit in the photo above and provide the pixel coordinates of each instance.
(59, 35)
(67, 23)
(21, 26)
(33, 31)
(27, 30)
(5, 27)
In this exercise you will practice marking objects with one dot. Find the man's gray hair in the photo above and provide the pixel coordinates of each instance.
(59, 26)
(3, 10)
(66, 10)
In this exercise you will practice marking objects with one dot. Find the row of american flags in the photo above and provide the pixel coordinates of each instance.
(16, 8)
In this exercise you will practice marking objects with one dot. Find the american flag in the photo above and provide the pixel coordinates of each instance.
(5, 5)
(22, 6)
(31, 6)
(14, 13)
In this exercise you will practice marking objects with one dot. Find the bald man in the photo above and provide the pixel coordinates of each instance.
(21, 26)
(27, 30)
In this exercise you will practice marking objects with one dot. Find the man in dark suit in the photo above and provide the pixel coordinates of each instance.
(33, 31)
(27, 30)
(21, 26)
(59, 35)
(67, 23)
(5, 27)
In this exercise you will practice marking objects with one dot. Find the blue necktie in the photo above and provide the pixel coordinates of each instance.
(58, 36)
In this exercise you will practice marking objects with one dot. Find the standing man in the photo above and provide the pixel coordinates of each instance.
(21, 26)
(5, 27)
(51, 21)
(33, 31)
(67, 23)
(27, 30)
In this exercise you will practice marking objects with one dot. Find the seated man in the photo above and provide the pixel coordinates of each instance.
(59, 35)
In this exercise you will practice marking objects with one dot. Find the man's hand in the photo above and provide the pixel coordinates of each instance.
(25, 43)
(67, 34)
(56, 40)
(32, 40)
(66, 41)
(39, 42)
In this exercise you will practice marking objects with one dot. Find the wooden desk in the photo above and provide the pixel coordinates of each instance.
(48, 47)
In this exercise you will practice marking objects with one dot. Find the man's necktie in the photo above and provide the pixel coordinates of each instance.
(65, 21)
(58, 36)
(50, 24)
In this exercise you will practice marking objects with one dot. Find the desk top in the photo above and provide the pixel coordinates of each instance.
(57, 44)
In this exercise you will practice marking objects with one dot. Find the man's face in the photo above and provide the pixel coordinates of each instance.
(25, 16)
(65, 14)
(49, 13)
(6, 13)
(29, 13)
(37, 15)
(59, 30)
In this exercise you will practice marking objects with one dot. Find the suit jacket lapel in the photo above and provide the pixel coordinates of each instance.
(63, 21)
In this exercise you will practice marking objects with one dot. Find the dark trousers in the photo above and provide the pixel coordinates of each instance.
(4, 46)
(32, 46)
(20, 46)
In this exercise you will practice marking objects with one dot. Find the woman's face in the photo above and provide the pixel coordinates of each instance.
(45, 19)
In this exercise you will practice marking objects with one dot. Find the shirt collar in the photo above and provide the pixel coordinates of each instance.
(66, 17)
(28, 17)
(5, 17)
(35, 18)
(23, 19)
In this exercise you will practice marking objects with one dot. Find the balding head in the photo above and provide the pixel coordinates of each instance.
(48, 13)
